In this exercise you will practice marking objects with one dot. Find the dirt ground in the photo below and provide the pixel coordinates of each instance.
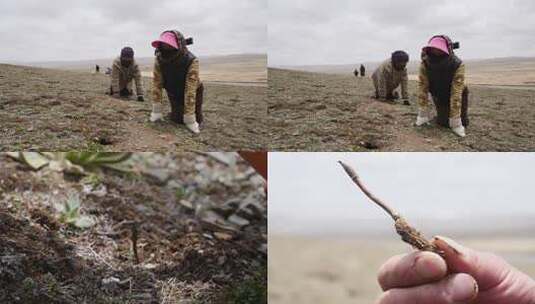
(320, 271)
(166, 206)
(51, 110)
(323, 112)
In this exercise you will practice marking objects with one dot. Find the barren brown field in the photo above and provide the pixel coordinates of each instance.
(320, 271)
(50, 110)
(333, 112)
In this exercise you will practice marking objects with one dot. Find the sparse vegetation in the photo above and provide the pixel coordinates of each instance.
(106, 237)
(324, 112)
(72, 112)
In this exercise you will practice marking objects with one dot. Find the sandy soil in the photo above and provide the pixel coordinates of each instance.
(317, 271)
(166, 205)
(323, 112)
(52, 110)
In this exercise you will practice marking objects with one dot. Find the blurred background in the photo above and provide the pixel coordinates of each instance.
(327, 240)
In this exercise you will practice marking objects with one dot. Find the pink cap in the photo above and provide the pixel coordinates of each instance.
(167, 38)
(438, 43)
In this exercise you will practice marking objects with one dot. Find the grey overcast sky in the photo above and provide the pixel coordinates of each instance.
(37, 30)
(316, 32)
(310, 191)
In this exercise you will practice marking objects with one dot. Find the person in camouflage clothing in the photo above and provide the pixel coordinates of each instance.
(124, 71)
(442, 75)
(391, 74)
(176, 70)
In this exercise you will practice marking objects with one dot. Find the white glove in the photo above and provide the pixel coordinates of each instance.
(457, 127)
(191, 124)
(423, 118)
(459, 131)
(156, 112)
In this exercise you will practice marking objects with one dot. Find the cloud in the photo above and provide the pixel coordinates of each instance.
(34, 30)
(309, 32)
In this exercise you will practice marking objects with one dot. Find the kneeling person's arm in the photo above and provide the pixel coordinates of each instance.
(139, 81)
(192, 82)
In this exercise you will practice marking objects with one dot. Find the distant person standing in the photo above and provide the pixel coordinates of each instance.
(391, 74)
(176, 70)
(442, 74)
(362, 71)
(124, 71)
(97, 68)
(356, 73)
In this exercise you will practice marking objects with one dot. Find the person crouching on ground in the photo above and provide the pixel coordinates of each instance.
(391, 74)
(442, 75)
(124, 71)
(176, 70)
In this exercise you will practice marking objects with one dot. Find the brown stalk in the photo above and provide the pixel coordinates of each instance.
(133, 225)
(408, 234)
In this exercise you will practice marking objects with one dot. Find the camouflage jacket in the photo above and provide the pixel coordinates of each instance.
(457, 88)
(386, 79)
(121, 76)
(192, 82)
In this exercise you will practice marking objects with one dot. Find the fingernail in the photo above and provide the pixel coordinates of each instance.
(449, 245)
(462, 288)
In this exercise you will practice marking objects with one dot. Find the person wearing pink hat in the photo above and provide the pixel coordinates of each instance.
(442, 75)
(176, 70)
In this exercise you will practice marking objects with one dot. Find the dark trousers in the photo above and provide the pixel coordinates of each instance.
(443, 109)
(177, 107)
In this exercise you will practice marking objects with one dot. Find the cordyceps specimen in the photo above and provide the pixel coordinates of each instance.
(408, 234)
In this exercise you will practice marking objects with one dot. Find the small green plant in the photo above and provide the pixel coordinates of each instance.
(75, 162)
(70, 212)
(92, 180)
(180, 193)
(91, 159)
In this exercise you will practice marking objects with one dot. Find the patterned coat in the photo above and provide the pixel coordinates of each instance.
(457, 88)
(121, 77)
(386, 79)
(192, 82)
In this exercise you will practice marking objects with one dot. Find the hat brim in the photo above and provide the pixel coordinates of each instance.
(425, 49)
(157, 43)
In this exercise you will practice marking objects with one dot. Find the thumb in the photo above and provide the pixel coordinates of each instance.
(489, 270)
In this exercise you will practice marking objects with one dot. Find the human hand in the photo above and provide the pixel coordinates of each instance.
(462, 276)
(422, 120)
(191, 123)
(124, 93)
(156, 113)
(193, 127)
(457, 127)
(460, 131)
